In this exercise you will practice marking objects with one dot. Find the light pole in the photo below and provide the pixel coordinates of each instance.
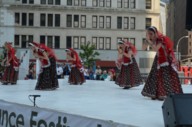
(178, 45)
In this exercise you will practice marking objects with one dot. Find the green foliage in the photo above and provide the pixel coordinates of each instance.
(89, 54)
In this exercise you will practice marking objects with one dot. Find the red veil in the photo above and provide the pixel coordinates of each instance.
(169, 45)
(47, 49)
(11, 53)
(130, 45)
(78, 61)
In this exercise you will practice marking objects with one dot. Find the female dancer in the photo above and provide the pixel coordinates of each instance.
(47, 79)
(163, 78)
(11, 64)
(76, 76)
(129, 75)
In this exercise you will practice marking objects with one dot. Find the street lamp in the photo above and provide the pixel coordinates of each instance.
(178, 45)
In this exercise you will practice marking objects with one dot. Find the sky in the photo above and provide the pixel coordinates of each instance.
(96, 99)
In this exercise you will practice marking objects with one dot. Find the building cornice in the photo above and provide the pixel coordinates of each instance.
(61, 8)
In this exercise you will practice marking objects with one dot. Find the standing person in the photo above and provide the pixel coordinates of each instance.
(129, 74)
(11, 64)
(47, 79)
(163, 78)
(76, 76)
(98, 72)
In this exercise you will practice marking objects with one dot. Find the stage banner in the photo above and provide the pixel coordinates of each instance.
(17, 115)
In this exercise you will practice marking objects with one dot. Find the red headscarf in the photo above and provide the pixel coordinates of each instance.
(130, 45)
(11, 53)
(47, 49)
(77, 61)
(165, 41)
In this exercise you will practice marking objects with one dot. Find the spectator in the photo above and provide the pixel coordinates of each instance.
(91, 74)
(98, 73)
(86, 73)
(104, 75)
(59, 71)
(31, 71)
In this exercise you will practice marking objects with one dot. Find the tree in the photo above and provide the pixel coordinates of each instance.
(88, 55)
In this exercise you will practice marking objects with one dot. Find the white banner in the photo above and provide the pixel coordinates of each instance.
(17, 115)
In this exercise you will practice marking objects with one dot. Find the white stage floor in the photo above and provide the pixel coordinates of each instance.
(96, 99)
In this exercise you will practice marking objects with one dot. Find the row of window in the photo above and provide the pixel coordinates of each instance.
(49, 2)
(95, 3)
(100, 43)
(50, 41)
(77, 21)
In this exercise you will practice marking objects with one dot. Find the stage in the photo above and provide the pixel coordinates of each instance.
(95, 99)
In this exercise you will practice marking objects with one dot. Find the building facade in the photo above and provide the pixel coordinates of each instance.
(63, 24)
(176, 25)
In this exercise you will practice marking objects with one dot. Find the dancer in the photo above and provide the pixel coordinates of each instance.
(11, 64)
(163, 78)
(47, 79)
(129, 74)
(76, 76)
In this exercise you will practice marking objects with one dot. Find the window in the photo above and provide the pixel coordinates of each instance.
(95, 3)
(42, 19)
(76, 2)
(23, 41)
(24, 1)
(83, 21)
(132, 23)
(31, 1)
(17, 18)
(16, 40)
(68, 40)
(24, 19)
(69, 20)
(108, 22)
(108, 43)
(119, 22)
(119, 3)
(57, 42)
(94, 42)
(126, 4)
(148, 4)
(108, 3)
(126, 39)
(94, 21)
(132, 4)
(57, 20)
(101, 43)
(101, 22)
(132, 40)
(101, 3)
(50, 1)
(148, 22)
(30, 38)
(83, 41)
(57, 2)
(42, 39)
(69, 2)
(126, 22)
(76, 20)
(43, 1)
(75, 42)
(118, 39)
(50, 41)
(83, 2)
(31, 17)
(50, 19)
